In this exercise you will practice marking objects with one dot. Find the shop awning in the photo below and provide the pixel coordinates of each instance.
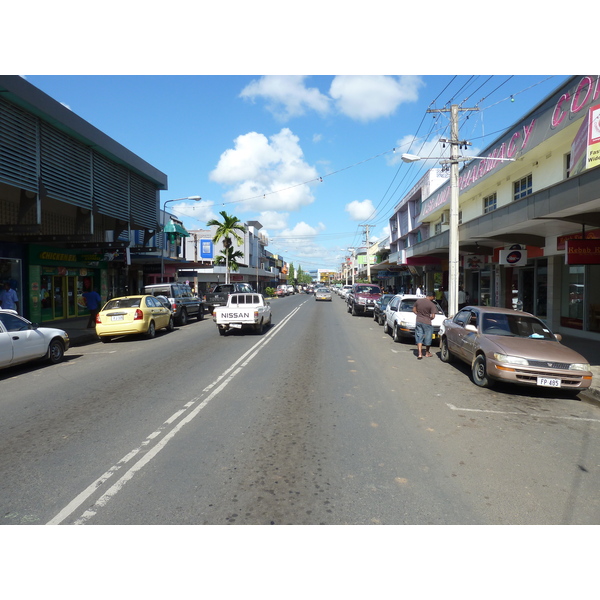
(172, 227)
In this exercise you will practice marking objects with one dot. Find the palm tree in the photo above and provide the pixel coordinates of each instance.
(230, 257)
(227, 229)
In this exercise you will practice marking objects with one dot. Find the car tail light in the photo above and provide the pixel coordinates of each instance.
(98, 318)
(139, 315)
(256, 314)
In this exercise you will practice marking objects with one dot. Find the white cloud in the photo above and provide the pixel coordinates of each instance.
(360, 210)
(287, 96)
(369, 97)
(200, 211)
(258, 166)
(270, 219)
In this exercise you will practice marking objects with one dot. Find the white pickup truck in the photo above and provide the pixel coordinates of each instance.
(243, 311)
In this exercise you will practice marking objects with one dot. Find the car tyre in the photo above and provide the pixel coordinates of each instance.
(56, 351)
(104, 339)
(396, 335)
(445, 353)
(171, 325)
(200, 315)
(479, 372)
(151, 330)
(386, 328)
(183, 317)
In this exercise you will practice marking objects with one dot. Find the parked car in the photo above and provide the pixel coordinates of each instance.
(379, 308)
(400, 320)
(184, 302)
(322, 294)
(291, 290)
(344, 291)
(361, 298)
(515, 346)
(219, 294)
(22, 341)
(131, 315)
(281, 291)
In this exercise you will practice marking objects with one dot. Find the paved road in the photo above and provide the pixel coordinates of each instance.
(321, 420)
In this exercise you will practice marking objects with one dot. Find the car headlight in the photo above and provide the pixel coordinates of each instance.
(511, 360)
(362, 301)
(579, 367)
(405, 324)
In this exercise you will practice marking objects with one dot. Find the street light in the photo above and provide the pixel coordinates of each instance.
(453, 244)
(162, 250)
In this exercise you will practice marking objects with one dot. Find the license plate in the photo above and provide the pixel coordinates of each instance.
(117, 318)
(548, 382)
(235, 325)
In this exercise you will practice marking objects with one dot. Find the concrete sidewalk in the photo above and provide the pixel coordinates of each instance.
(80, 335)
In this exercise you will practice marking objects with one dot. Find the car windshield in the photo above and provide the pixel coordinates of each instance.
(368, 289)
(122, 303)
(515, 326)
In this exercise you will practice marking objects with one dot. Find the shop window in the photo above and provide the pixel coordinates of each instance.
(489, 203)
(523, 187)
(571, 306)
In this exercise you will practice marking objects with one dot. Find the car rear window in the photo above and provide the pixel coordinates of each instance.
(122, 303)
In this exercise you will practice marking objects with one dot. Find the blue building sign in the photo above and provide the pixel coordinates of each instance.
(206, 249)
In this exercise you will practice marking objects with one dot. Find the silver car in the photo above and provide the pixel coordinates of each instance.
(510, 345)
(322, 294)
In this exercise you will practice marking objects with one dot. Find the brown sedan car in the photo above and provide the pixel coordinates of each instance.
(514, 346)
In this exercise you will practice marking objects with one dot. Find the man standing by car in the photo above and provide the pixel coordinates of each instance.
(92, 301)
(425, 310)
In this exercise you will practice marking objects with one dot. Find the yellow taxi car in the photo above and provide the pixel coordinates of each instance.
(133, 315)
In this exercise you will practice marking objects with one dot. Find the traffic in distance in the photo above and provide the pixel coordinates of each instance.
(498, 344)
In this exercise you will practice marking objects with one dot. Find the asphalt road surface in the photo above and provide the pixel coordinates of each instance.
(322, 419)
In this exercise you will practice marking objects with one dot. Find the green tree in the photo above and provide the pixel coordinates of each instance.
(227, 229)
(230, 257)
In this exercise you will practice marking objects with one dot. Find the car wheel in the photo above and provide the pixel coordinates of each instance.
(56, 351)
(386, 328)
(221, 331)
(479, 372)
(260, 328)
(354, 313)
(397, 337)
(200, 315)
(104, 339)
(183, 317)
(171, 325)
(151, 330)
(375, 318)
(445, 353)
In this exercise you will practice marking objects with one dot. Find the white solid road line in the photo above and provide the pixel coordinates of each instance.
(217, 386)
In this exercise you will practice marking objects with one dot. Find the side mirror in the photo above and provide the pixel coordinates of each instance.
(558, 337)
(471, 328)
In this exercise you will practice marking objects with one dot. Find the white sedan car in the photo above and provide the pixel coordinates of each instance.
(400, 320)
(22, 341)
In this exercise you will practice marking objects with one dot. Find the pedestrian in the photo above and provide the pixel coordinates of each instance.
(92, 301)
(425, 309)
(8, 297)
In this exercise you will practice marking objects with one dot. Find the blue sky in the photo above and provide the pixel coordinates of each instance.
(310, 157)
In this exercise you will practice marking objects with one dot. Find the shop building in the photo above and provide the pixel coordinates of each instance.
(528, 228)
(74, 203)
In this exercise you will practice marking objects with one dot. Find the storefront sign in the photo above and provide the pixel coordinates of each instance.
(558, 112)
(513, 258)
(592, 234)
(582, 252)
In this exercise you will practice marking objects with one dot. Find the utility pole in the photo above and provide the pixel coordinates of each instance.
(367, 254)
(453, 254)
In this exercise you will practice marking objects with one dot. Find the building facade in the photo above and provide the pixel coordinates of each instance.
(75, 206)
(527, 227)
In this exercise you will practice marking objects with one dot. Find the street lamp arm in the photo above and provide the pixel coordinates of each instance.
(409, 158)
